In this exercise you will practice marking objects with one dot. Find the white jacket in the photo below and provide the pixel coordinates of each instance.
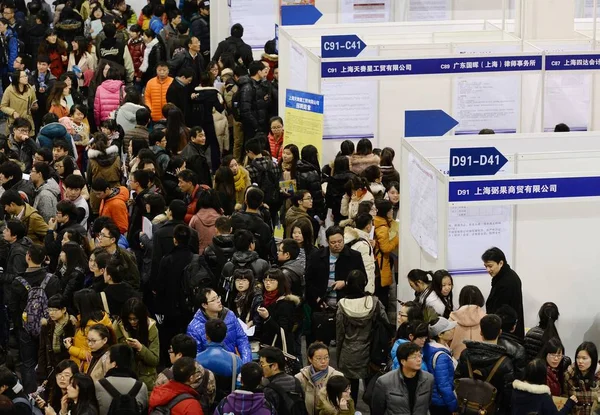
(366, 251)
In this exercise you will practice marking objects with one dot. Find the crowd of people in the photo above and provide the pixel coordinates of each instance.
(142, 183)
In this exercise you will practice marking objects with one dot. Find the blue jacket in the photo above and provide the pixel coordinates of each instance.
(443, 375)
(235, 341)
(218, 360)
(11, 54)
(395, 362)
(54, 131)
(156, 24)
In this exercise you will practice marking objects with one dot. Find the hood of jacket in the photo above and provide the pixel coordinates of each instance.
(484, 354)
(468, 315)
(104, 158)
(161, 395)
(121, 193)
(245, 403)
(292, 298)
(519, 385)
(296, 266)
(54, 130)
(51, 186)
(350, 234)
(28, 211)
(364, 160)
(208, 217)
(128, 111)
(244, 257)
(158, 150)
(305, 167)
(223, 241)
(112, 85)
(358, 308)
(294, 213)
(244, 80)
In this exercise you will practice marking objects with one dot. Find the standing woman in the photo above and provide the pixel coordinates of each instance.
(84, 61)
(582, 379)
(99, 338)
(80, 397)
(178, 135)
(225, 188)
(276, 134)
(19, 100)
(108, 96)
(139, 332)
(354, 320)
(468, 316)
(421, 283)
(356, 192)
(442, 284)
(536, 337)
(288, 166)
(97, 264)
(388, 171)
(309, 178)
(336, 187)
(363, 157)
(56, 50)
(302, 232)
(57, 103)
(208, 210)
(386, 235)
(154, 52)
(71, 270)
(241, 179)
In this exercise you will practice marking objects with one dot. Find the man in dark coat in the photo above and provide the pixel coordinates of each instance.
(513, 344)
(506, 286)
(179, 91)
(318, 269)
(200, 27)
(190, 58)
(483, 356)
(234, 44)
(66, 221)
(43, 81)
(254, 101)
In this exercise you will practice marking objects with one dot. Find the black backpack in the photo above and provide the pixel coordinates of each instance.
(290, 403)
(222, 258)
(122, 404)
(196, 276)
(269, 184)
(381, 339)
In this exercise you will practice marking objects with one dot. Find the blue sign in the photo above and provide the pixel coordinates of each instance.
(524, 189)
(342, 46)
(427, 123)
(301, 15)
(572, 62)
(400, 67)
(476, 161)
(304, 101)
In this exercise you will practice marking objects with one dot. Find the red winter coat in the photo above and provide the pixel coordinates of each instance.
(136, 50)
(108, 97)
(162, 395)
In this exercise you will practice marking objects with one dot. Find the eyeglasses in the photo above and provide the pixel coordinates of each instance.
(101, 235)
(321, 359)
(214, 300)
(64, 375)
(170, 351)
(22, 130)
(416, 356)
(555, 355)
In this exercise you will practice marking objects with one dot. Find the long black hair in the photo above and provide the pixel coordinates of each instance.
(245, 303)
(436, 285)
(87, 393)
(75, 258)
(88, 304)
(589, 378)
(336, 385)
(548, 315)
(136, 307)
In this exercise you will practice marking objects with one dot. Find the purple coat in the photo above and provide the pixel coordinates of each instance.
(245, 403)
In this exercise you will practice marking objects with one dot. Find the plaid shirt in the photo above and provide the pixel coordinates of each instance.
(264, 163)
(586, 393)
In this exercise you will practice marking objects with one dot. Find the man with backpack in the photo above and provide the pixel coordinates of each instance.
(242, 52)
(244, 257)
(177, 397)
(120, 392)
(282, 390)
(249, 399)
(252, 220)
(221, 250)
(489, 362)
(359, 239)
(28, 305)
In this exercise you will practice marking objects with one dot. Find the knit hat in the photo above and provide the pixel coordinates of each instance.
(441, 326)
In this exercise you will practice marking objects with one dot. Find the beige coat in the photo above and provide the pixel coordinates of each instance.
(13, 102)
(311, 390)
(468, 318)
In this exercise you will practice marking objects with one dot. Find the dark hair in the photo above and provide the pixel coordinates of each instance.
(87, 393)
(202, 297)
(252, 375)
(254, 197)
(55, 94)
(223, 224)
(436, 286)
(11, 169)
(75, 258)
(244, 304)
(184, 344)
(46, 153)
(554, 345)
(486, 131)
(216, 330)
(183, 369)
(60, 143)
(405, 350)
(138, 144)
(333, 230)
(416, 328)
(175, 163)
(208, 199)
(383, 207)
(225, 182)
(298, 196)
(142, 177)
(509, 317)
(88, 304)
(363, 220)
(113, 230)
(57, 301)
(94, 9)
(237, 30)
(101, 257)
(142, 117)
(356, 281)
(37, 253)
(178, 209)
(253, 145)
(346, 148)
(16, 228)
(364, 147)
(273, 355)
(116, 270)
(189, 176)
(372, 173)
(310, 352)
(387, 157)
(414, 310)
(255, 67)
(307, 235)
(105, 333)
(493, 254)
(536, 372)
(548, 315)
(15, 82)
(291, 247)
(135, 28)
(589, 379)
(561, 128)
(470, 295)
(283, 283)
(43, 169)
(416, 275)
(310, 154)
(22, 122)
(78, 107)
(136, 307)
(122, 355)
(67, 208)
(182, 234)
(336, 385)
(341, 164)
(491, 325)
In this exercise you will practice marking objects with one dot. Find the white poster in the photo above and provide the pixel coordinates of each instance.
(487, 102)
(423, 205)
(350, 109)
(258, 18)
(584, 8)
(426, 10)
(298, 68)
(567, 99)
(365, 11)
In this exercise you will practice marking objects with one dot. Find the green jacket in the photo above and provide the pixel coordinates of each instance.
(146, 360)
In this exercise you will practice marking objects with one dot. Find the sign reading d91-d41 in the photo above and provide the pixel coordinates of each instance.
(341, 46)
(476, 161)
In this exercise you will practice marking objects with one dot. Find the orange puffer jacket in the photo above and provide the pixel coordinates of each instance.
(156, 96)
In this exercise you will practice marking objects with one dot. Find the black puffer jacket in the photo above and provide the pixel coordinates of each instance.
(514, 347)
(389, 174)
(254, 108)
(309, 178)
(236, 46)
(483, 357)
(335, 192)
(533, 342)
(219, 253)
(263, 233)
(184, 60)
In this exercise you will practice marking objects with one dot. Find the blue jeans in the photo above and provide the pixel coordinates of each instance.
(28, 348)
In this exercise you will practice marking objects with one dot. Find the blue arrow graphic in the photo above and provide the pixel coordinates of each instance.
(476, 161)
(427, 123)
(341, 46)
(301, 15)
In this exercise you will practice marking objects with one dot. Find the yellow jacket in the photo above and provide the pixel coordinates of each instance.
(80, 349)
(387, 242)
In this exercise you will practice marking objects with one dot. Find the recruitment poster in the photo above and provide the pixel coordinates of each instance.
(303, 119)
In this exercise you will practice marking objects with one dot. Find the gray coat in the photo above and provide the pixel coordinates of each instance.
(46, 199)
(353, 326)
(390, 396)
(123, 385)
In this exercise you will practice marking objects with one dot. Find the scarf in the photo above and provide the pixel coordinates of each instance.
(270, 297)
(240, 183)
(240, 301)
(553, 382)
(286, 165)
(315, 376)
(96, 356)
(59, 329)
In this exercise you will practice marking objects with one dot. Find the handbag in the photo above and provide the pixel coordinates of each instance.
(292, 364)
(323, 322)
